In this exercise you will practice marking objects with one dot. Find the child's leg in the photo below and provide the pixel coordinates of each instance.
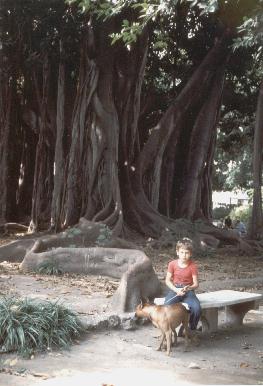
(195, 308)
(172, 298)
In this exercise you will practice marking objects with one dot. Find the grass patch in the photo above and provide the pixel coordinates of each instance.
(50, 267)
(28, 326)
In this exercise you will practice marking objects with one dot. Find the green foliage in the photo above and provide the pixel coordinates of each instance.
(50, 267)
(28, 326)
(232, 163)
(241, 212)
(72, 232)
(221, 212)
(146, 12)
(209, 6)
(104, 236)
(129, 32)
(250, 31)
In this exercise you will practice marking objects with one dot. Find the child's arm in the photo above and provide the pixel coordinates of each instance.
(169, 283)
(193, 286)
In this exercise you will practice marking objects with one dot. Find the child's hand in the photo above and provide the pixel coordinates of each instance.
(186, 288)
(181, 292)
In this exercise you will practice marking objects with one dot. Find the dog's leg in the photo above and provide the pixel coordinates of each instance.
(186, 333)
(195, 338)
(168, 335)
(174, 341)
(181, 331)
(161, 343)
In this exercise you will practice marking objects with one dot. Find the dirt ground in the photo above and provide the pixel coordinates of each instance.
(123, 358)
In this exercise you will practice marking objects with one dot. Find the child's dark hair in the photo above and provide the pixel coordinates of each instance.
(185, 243)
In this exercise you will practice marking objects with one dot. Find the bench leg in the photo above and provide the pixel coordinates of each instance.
(209, 319)
(235, 313)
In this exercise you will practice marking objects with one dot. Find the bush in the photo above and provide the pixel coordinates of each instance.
(221, 212)
(50, 267)
(104, 236)
(243, 212)
(27, 326)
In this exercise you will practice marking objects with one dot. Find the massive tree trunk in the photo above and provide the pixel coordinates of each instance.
(10, 132)
(103, 148)
(256, 226)
(77, 178)
(5, 110)
(93, 183)
(165, 154)
(11, 99)
(201, 141)
(43, 174)
(59, 158)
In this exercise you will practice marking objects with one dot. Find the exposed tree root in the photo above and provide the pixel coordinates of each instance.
(84, 234)
(133, 267)
(12, 227)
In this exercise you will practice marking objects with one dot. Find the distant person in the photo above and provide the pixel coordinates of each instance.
(240, 227)
(228, 222)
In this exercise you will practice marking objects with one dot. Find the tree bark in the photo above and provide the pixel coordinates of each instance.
(43, 174)
(133, 267)
(200, 142)
(88, 77)
(5, 110)
(10, 147)
(151, 166)
(59, 159)
(256, 227)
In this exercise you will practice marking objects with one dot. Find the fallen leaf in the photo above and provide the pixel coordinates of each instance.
(13, 362)
(10, 362)
(244, 364)
(246, 346)
(193, 365)
(41, 375)
(106, 384)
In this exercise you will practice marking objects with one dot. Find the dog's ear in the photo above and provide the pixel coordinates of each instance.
(141, 304)
(144, 301)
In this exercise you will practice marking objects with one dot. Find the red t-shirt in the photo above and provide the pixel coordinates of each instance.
(182, 275)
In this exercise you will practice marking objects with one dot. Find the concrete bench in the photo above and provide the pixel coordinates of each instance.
(236, 305)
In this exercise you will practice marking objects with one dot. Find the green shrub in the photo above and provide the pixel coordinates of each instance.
(221, 212)
(27, 326)
(243, 212)
(50, 267)
(104, 236)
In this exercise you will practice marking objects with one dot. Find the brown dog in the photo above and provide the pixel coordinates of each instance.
(167, 319)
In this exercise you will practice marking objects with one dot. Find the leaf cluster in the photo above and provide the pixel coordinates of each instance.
(250, 32)
(104, 236)
(50, 267)
(27, 325)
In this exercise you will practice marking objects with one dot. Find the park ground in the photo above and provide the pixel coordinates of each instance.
(128, 357)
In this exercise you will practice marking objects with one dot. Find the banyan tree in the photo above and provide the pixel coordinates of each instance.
(75, 139)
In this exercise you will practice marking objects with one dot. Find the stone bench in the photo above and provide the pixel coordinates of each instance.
(236, 305)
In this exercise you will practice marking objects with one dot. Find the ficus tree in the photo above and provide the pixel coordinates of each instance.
(251, 36)
(114, 108)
